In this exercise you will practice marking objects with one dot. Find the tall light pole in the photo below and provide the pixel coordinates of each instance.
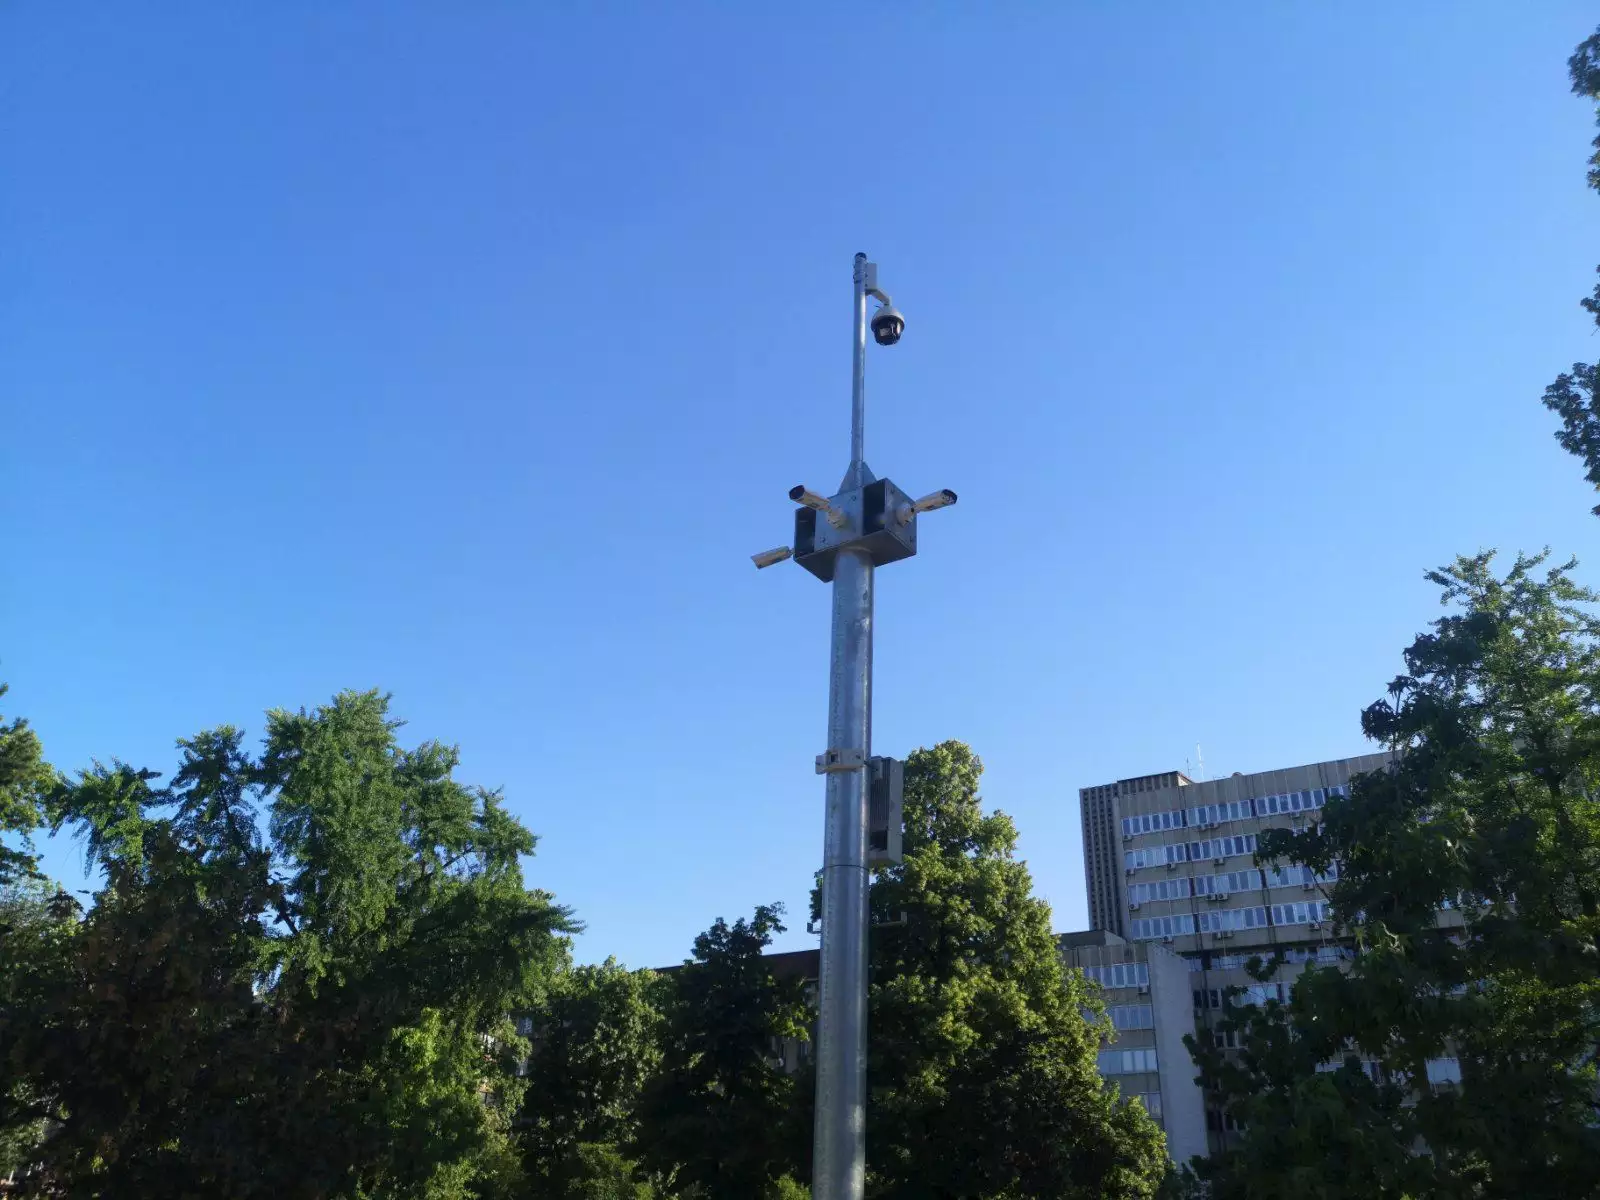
(843, 539)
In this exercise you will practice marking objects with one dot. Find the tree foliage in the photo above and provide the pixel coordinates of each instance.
(299, 975)
(1489, 811)
(596, 1043)
(24, 779)
(1574, 396)
(982, 1066)
(317, 1012)
(722, 1120)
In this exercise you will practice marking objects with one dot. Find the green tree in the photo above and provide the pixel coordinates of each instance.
(1489, 809)
(721, 1120)
(34, 916)
(123, 1025)
(597, 1171)
(407, 914)
(1575, 394)
(24, 779)
(982, 1066)
(320, 1012)
(596, 1043)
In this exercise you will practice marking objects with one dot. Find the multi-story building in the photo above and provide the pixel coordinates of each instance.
(1102, 847)
(1147, 996)
(1170, 862)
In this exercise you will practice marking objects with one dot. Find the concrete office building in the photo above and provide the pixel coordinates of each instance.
(1170, 863)
(1147, 996)
(1173, 861)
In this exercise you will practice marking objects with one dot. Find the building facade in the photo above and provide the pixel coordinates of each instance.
(1102, 845)
(1147, 996)
(1170, 864)
(1173, 861)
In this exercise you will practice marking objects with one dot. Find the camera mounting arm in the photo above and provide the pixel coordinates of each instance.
(872, 289)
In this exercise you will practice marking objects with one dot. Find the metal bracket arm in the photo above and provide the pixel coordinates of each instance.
(840, 760)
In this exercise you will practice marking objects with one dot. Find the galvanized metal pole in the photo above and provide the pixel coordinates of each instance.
(839, 1148)
(842, 540)
(858, 375)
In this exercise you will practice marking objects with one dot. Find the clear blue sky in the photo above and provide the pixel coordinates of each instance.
(467, 351)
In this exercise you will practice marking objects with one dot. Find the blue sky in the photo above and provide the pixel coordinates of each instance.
(469, 351)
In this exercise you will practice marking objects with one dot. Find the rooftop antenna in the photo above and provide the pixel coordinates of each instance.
(1199, 763)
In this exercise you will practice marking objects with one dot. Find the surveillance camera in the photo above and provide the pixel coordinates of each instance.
(943, 498)
(771, 558)
(887, 325)
(801, 495)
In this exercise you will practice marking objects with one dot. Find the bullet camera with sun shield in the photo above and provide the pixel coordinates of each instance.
(887, 325)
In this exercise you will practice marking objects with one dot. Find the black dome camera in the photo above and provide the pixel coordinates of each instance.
(887, 326)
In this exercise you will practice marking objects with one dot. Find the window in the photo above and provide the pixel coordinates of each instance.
(1321, 955)
(1161, 889)
(1211, 922)
(1149, 856)
(1217, 814)
(1260, 993)
(1120, 975)
(1132, 1016)
(1198, 851)
(1444, 1070)
(1231, 881)
(1151, 1102)
(1285, 803)
(1367, 1066)
(1153, 822)
(1172, 925)
(1232, 918)
(1217, 1122)
(1255, 995)
(1127, 1062)
(1300, 913)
